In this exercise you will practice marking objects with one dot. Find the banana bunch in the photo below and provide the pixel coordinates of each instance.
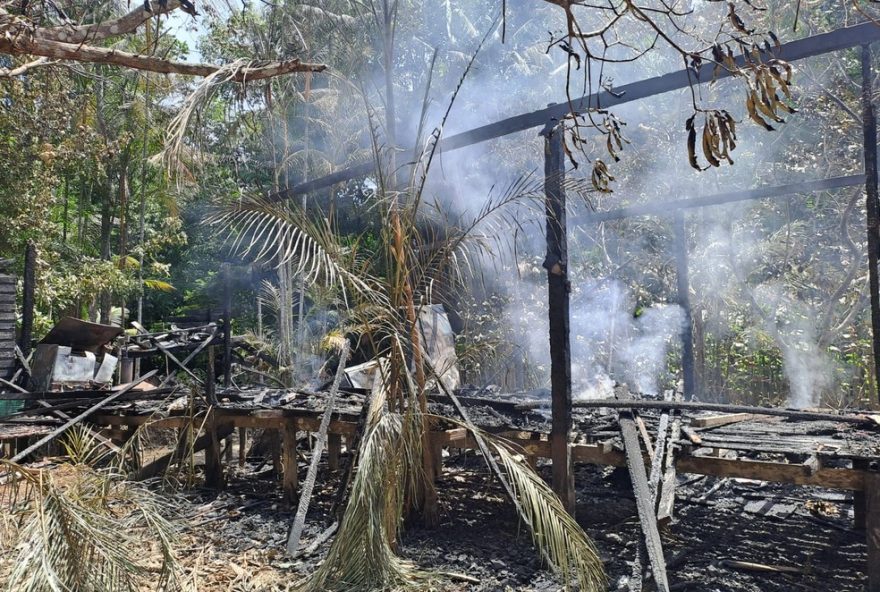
(718, 138)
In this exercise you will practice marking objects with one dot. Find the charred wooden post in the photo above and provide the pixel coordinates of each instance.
(334, 446)
(126, 364)
(290, 479)
(210, 379)
(872, 203)
(214, 477)
(872, 529)
(227, 325)
(556, 263)
(275, 451)
(27, 305)
(7, 327)
(242, 446)
(684, 300)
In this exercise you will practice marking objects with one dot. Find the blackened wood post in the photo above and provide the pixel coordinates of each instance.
(211, 378)
(869, 129)
(27, 305)
(556, 263)
(684, 300)
(872, 529)
(227, 325)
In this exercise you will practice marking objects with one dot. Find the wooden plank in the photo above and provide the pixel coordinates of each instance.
(290, 478)
(658, 458)
(271, 422)
(646, 438)
(214, 476)
(72, 422)
(849, 479)
(299, 521)
(699, 406)
(334, 447)
(715, 421)
(242, 446)
(872, 529)
(644, 505)
(667, 487)
(691, 435)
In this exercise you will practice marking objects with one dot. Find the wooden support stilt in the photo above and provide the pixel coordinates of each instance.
(872, 529)
(334, 445)
(437, 462)
(242, 446)
(227, 449)
(859, 499)
(214, 477)
(210, 379)
(556, 263)
(275, 451)
(291, 468)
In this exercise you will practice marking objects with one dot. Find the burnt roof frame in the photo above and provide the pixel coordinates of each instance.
(843, 38)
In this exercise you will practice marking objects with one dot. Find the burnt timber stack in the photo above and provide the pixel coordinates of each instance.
(673, 438)
(7, 323)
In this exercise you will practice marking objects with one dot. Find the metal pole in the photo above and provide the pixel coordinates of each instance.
(684, 300)
(556, 263)
(872, 204)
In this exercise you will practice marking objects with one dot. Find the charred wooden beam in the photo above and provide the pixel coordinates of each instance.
(663, 208)
(214, 475)
(299, 521)
(872, 202)
(872, 529)
(27, 305)
(699, 406)
(838, 39)
(75, 420)
(556, 263)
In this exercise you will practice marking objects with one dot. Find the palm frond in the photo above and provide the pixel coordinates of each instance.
(556, 535)
(273, 232)
(362, 555)
(85, 530)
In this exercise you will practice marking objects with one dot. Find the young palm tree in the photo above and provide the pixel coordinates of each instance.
(383, 290)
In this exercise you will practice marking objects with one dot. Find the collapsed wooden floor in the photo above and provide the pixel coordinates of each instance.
(823, 452)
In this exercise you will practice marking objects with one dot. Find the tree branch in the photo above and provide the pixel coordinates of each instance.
(19, 70)
(25, 45)
(99, 31)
